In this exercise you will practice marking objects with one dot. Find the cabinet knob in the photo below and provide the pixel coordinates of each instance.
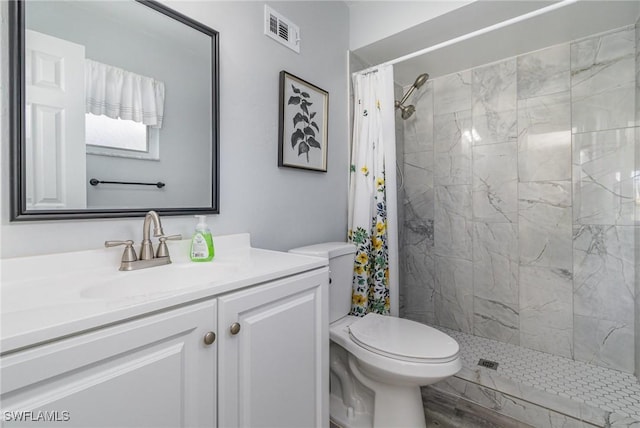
(209, 338)
(235, 328)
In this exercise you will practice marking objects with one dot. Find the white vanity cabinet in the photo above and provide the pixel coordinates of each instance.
(268, 365)
(155, 371)
(273, 354)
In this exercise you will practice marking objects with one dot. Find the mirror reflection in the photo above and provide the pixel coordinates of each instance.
(115, 93)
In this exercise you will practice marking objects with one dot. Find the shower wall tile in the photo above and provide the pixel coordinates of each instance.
(403, 231)
(607, 110)
(454, 300)
(418, 129)
(452, 134)
(495, 262)
(495, 183)
(418, 184)
(417, 267)
(418, 171)
(495, 127)
(546, 310)
(452, 93)
(604, 275)
(453, 226)
(637, 208)
(603, 177)
(637, 298)
(603, 81)
(545, 232)
(604, 342)
(494, 103)
(494, 88)
(495, 320)
(636, 176)
(637, 59)
(544, 72)
(544, 138)
(418, 289)
(495, 281)
(419, 227)
(400, 196)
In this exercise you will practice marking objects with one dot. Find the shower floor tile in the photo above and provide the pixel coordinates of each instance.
(606, 389)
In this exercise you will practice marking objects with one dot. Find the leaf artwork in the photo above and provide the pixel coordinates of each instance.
(296, 137)
(303, 135)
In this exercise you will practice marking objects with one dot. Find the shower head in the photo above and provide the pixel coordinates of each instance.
(407, 111)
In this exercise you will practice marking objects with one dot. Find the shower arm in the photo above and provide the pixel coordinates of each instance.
(420, 80)
(407, 95)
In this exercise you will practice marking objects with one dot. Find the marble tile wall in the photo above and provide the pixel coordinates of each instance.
(637, 197)
(521, 201)
(544, 201)
(604, 145)
(417, 269)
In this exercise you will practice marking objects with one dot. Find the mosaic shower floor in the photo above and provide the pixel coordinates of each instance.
(607, 389)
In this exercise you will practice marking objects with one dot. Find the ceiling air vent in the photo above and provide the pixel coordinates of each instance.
(281, 29)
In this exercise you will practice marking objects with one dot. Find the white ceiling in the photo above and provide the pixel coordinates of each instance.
(577, 20)
(370, 21)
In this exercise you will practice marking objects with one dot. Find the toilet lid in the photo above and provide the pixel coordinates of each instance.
(403, 339)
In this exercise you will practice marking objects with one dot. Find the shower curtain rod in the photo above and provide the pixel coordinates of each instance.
(472, 34)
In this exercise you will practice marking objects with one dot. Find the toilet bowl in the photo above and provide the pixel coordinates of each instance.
(392, 357)
(378, 363)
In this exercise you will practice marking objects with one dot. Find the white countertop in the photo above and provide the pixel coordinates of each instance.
(47, 297)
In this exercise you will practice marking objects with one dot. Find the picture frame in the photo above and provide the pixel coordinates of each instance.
(303, 124)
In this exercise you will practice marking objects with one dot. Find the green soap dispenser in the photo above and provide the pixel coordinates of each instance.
(202, 243)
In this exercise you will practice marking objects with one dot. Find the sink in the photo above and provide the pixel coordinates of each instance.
(157, 281)
(58, 295)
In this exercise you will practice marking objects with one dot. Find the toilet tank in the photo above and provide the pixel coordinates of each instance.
(341, 257)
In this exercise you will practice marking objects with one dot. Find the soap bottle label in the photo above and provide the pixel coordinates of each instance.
(199, 249)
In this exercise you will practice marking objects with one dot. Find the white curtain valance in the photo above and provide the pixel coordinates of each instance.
(117, 93)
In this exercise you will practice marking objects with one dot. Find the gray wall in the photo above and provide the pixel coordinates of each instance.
(281, 208)
(520, 220)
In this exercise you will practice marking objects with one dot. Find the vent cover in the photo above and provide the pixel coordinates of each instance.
(281, 29)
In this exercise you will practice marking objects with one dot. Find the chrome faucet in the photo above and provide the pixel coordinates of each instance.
(146, 248)
(147, 258)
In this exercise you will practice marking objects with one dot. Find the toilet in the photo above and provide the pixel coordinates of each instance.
(377, 363)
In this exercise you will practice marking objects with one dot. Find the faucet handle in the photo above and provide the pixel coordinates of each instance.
(170, 237)
(129, 254)
(163, 250)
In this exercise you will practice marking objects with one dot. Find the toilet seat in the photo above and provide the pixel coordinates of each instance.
(403, 339)
(392, 370)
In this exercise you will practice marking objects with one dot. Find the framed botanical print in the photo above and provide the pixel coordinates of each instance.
(303, 124)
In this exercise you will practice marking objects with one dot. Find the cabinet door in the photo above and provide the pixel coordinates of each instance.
(154, 371)
(274, 371)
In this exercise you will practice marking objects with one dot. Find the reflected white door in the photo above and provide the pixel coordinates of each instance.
(55, 146)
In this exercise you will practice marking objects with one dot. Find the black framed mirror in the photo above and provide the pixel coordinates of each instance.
(114, 110)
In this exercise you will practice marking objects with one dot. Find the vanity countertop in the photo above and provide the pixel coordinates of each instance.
(52, 296)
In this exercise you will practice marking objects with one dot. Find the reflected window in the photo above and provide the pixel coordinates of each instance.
(122, 138)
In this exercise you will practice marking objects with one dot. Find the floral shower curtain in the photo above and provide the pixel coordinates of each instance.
(368, 190)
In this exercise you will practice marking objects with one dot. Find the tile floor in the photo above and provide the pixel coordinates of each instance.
(607, 389)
